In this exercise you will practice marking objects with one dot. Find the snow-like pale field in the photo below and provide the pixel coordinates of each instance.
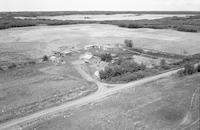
(36, 41)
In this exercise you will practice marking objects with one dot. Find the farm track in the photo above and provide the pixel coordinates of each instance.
(101, 93)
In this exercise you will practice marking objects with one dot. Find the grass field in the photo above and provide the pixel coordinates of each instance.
(161, 105)
(29, 89)
(34, 42)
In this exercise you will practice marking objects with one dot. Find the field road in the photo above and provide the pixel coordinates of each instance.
(102, 93)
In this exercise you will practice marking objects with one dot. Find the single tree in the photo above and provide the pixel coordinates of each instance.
(45, 58)
(189, 69)
(128, 43)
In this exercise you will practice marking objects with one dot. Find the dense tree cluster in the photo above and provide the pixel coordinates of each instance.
(189, 69)
(125, 71)
(189, 24)
(105, 57)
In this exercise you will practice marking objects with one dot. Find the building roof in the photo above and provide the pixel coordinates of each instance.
(86, 56)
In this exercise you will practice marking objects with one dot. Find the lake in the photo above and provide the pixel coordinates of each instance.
(103, 17)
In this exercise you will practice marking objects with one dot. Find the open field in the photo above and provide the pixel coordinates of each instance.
(29, 89)
(34, 42)
(167, 104)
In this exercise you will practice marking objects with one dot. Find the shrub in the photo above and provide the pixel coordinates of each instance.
(187, 29)
(122, 25)
(164, 65)
(189, 69)
(181, 73)
(134, 26)
(31, 62)
(163, 62)
(198, 68)
(125, 71)
(128, 77)
(13, 65)
(45, 58)
(106, 57)
(119, 61)
(142, 66)
(128, 43)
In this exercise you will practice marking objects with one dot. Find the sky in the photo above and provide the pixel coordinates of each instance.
(100, 5)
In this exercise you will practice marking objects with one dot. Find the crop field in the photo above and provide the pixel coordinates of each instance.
(167, 104)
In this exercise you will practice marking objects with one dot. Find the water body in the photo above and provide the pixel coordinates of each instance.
(103, 17)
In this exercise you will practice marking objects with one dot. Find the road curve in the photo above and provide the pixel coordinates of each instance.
(100, 94)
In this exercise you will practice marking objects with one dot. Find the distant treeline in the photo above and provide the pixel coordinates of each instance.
(57, 13)
(186, 24)
(10, 22)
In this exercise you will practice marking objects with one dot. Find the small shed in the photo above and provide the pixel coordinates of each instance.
(67, 53)
(86, 57)
(97, 74)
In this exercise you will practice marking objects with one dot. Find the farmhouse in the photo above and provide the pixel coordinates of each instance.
(86, 47)
(66, 53)
(86, 57)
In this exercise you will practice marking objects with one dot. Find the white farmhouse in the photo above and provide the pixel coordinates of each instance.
(86, 57)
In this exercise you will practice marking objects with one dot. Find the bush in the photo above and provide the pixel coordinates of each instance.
(128, 77)
(31, 62)
(163, 62)
(134, 26)
(164, 65)
(124, 71)
(13, 65)
(119, 61)
(128, 43)
(187, 29)
(45, 58)
(198, 68)
(189, 69)
(181, 73)
(106, 57)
